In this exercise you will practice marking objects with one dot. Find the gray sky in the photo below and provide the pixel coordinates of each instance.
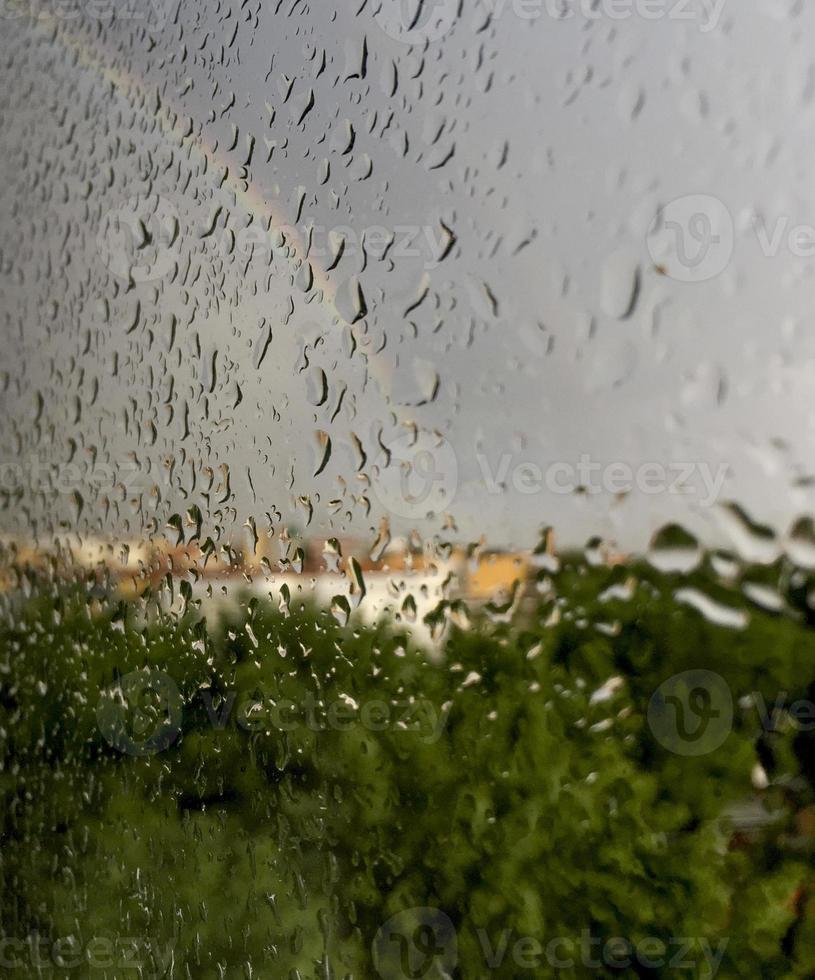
(511, 171)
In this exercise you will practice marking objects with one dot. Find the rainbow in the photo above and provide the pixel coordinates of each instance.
(246, 193)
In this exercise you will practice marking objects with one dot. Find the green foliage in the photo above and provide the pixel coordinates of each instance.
(328, 778)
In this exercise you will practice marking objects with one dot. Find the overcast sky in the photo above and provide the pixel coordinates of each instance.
(584, 244)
